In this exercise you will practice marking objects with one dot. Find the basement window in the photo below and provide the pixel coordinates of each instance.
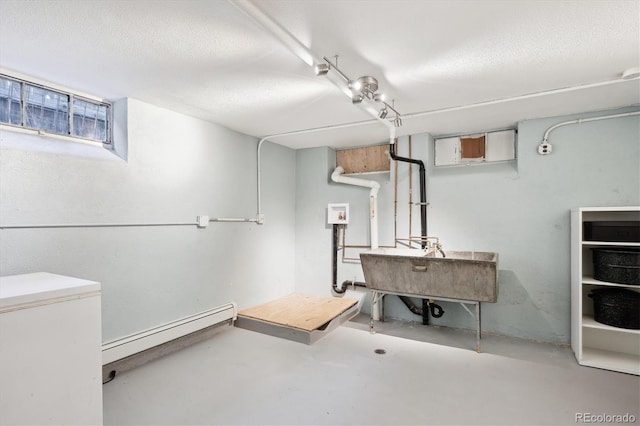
(476, 148)
(32, 106)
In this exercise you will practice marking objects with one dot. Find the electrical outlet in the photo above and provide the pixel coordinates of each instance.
(544, 148)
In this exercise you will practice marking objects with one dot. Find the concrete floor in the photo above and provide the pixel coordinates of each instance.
(242, 377)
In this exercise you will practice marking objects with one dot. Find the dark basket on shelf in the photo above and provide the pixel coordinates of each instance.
(617, 265)
(617, 307)
(618, 231)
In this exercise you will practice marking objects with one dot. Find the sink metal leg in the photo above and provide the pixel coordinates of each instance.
(477, 318)
(374, 296)
(478, 332)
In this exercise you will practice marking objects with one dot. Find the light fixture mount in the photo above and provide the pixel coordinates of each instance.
(369, 84)
(363, 87)
(322, 69)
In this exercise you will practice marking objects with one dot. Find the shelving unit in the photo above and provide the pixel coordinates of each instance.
(595, 344)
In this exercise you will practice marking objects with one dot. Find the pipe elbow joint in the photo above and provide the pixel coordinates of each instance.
(336, 173)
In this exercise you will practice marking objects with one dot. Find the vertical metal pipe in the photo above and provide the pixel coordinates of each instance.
(334, 258)
(395, 205)
(423, 191)
(410, 195)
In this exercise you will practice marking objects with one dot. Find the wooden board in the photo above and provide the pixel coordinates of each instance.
(299, 311)
(364, 160)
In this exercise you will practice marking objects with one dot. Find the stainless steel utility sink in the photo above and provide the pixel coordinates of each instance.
(463, 275)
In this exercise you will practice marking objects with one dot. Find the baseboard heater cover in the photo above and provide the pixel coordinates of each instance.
(138, 342)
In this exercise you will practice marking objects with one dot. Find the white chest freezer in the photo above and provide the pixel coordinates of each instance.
(50, 350)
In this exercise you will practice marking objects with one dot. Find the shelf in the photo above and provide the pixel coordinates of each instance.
(617, 209)
(588, 321)
(592, 281)
(610, 360)
(611, 243)
(595, 344)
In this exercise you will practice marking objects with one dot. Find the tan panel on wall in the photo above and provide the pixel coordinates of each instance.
(473, 147)
(364, 160)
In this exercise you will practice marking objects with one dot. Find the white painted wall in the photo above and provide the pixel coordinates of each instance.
(178, 168)
(520, 211)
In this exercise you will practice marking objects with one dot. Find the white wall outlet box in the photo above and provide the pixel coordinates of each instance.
(544, 148)
(338, 214)
(203, 221)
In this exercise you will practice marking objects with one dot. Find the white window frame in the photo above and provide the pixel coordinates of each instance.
(71, 95)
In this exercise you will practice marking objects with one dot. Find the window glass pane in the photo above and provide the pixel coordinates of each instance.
(10, 107)
(89, 120)
(46, 110)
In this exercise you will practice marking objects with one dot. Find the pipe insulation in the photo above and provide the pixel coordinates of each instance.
(337, 176)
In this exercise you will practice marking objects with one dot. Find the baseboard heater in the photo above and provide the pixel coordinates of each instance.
(127, 346)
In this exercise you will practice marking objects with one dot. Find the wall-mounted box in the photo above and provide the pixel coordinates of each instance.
(338, 214)
(476, 148)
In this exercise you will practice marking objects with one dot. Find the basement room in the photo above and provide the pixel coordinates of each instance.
(319, 212)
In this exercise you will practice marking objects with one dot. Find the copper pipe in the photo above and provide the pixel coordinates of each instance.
(395, 205)
(344, 246)
(410, 189)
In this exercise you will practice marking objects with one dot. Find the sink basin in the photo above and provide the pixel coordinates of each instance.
(464, 275)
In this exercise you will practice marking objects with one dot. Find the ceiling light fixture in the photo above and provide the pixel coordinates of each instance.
(368, 84)
(322, 69)
(362, 88)
(379, 97)
(355, 85)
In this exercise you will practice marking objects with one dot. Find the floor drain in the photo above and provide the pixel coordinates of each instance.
(380, 351)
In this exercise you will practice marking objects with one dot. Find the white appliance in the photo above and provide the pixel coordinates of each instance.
(50, 350)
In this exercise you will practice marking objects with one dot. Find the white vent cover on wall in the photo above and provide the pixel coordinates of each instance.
(475, 148)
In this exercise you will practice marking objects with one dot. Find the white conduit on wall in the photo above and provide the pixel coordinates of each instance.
(585, 120)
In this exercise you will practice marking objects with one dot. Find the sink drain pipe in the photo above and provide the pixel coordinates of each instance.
(423, 189)
(343, 288)
(428, 307)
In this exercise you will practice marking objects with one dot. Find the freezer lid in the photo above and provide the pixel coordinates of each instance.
(41, 288)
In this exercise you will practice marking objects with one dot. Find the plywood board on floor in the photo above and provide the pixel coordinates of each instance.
(300, 311)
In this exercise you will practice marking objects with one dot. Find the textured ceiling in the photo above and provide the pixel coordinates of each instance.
(451, 66)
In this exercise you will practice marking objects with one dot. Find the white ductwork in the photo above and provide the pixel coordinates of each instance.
(337, 176)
